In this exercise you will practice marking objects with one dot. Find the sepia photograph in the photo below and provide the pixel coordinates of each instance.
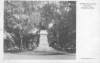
(39, 30)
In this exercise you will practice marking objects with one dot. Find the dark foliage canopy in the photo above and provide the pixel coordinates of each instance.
(23, 16)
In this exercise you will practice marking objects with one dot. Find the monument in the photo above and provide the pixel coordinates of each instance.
(43, 42)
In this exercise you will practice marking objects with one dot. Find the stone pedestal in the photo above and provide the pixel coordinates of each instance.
(43, 44)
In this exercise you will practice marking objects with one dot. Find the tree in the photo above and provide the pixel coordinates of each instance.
(20, 18)
(64, 15)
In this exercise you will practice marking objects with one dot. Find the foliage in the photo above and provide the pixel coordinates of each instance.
(20, 17)
(63, 34)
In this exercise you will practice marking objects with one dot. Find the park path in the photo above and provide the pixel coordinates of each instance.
(43, 51)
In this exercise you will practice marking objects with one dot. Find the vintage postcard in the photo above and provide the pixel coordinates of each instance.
(50, 30)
